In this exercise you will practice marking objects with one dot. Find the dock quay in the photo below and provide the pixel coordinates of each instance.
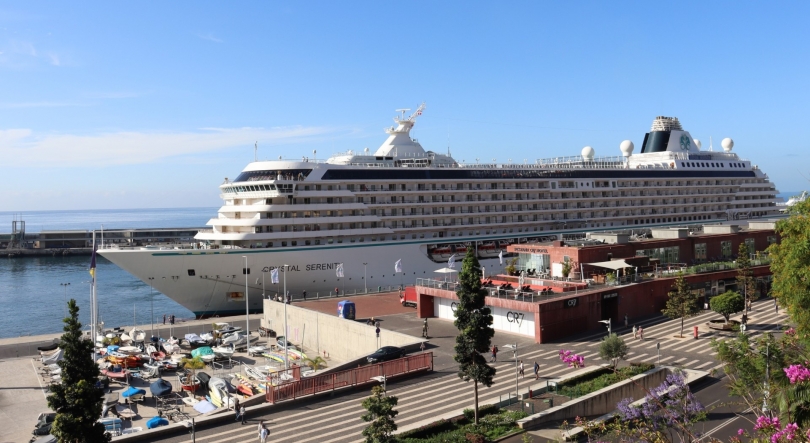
(27, 378)
(19, 243)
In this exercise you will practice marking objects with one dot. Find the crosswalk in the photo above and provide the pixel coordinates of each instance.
(426, 401)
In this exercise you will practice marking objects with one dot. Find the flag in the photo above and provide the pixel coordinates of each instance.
(500, 256)
(93, 264)
(398, 266)
(274, 275)
(339, 270)
(452, 262)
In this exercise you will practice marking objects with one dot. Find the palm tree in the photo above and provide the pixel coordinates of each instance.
(315, 363)
(192, 365)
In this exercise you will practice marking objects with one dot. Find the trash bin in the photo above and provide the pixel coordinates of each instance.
(695, 329)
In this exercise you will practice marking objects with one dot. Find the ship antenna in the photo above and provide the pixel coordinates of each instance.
(710, 144)
(256, 151)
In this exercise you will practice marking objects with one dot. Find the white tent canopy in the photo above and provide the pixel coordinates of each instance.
(445, 270)
(612, 264)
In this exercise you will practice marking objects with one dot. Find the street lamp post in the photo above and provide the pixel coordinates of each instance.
(607, 323)
(65, 285)
(286, 330)
(658, 349)
(151, 306)
(247, 303)
(365, 280)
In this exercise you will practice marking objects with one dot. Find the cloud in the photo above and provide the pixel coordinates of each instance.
(210, 37)
(120, 148)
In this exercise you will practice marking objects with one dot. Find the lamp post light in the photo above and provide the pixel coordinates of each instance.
(365, 280)
(286, 330)
(607, 323)
(658, 349)
(151, 306)
(247, 305)
(65, 285)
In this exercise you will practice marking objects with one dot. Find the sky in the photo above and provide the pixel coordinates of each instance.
(109, 105)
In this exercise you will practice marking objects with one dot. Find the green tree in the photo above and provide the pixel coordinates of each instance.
(612, 349)
(682, 302)
(745, 276)
(381, 413)
(790, 265)
(727, 303)
(315, 363)
(566, 269)
(76, 400)
(474, 322)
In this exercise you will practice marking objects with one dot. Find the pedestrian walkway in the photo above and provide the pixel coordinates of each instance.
(426, 401)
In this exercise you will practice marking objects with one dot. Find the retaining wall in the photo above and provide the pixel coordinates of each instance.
(600, 402)
(344, 340)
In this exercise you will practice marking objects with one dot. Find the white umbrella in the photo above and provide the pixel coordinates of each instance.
(445, 271)
(521, 279)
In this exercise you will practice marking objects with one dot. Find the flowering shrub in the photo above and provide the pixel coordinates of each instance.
(670, 406)
(770, 430)
(573, 360)
(797, 373)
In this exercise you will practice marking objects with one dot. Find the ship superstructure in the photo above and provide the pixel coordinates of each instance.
(367, 211)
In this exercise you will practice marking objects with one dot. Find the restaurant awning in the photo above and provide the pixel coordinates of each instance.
(612, 264)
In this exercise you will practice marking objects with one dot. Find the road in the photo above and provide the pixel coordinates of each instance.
(425, 399)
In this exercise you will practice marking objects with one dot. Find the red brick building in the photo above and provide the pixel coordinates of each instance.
(647, 270)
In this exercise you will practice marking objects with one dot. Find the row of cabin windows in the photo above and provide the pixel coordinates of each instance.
(711, 165)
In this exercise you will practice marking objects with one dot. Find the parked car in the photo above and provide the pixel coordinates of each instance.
(44, 422)
(386, 353)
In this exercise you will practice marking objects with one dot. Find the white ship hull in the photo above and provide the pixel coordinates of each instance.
(218, 275)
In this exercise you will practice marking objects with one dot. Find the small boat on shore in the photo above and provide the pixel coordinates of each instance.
(137, 335)
(225, 351)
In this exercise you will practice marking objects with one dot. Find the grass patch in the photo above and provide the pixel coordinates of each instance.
(492, 426)
(580, 387)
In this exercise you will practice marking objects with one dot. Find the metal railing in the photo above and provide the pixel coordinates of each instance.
(349, 378)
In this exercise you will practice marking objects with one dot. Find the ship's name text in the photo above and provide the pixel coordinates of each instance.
(307, 268)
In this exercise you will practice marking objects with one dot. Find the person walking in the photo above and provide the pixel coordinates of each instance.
(304, 293)
(635, 332)
(263, 434)
(422, 347)
(171, 320)
(425, 329)
(520, 370)
(494, 353)
(236, 407)
(164, 319)
(776, 306)
(336, 291)
(243, 414)
(641, 333)
(536, 371)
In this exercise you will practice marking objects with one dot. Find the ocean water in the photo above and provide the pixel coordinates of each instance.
(32, 301)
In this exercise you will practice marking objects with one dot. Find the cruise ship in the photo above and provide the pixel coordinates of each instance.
(361, 221)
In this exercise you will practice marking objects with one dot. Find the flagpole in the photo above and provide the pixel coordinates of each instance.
(94, 331)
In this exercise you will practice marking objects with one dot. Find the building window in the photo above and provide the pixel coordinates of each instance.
(725, 249)
(665, 255)
(191, 273)
(771, 239)
(700, 251)
(751, 244)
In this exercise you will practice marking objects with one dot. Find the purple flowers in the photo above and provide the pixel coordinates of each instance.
(573, 360)
(797, 373)
(666, 406)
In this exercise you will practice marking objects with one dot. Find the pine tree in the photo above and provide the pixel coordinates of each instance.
(76, 400)
(474, 322)
(381, 413)
(745, 277)
(682, 303)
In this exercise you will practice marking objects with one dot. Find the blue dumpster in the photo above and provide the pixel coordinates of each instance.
(346, 309)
